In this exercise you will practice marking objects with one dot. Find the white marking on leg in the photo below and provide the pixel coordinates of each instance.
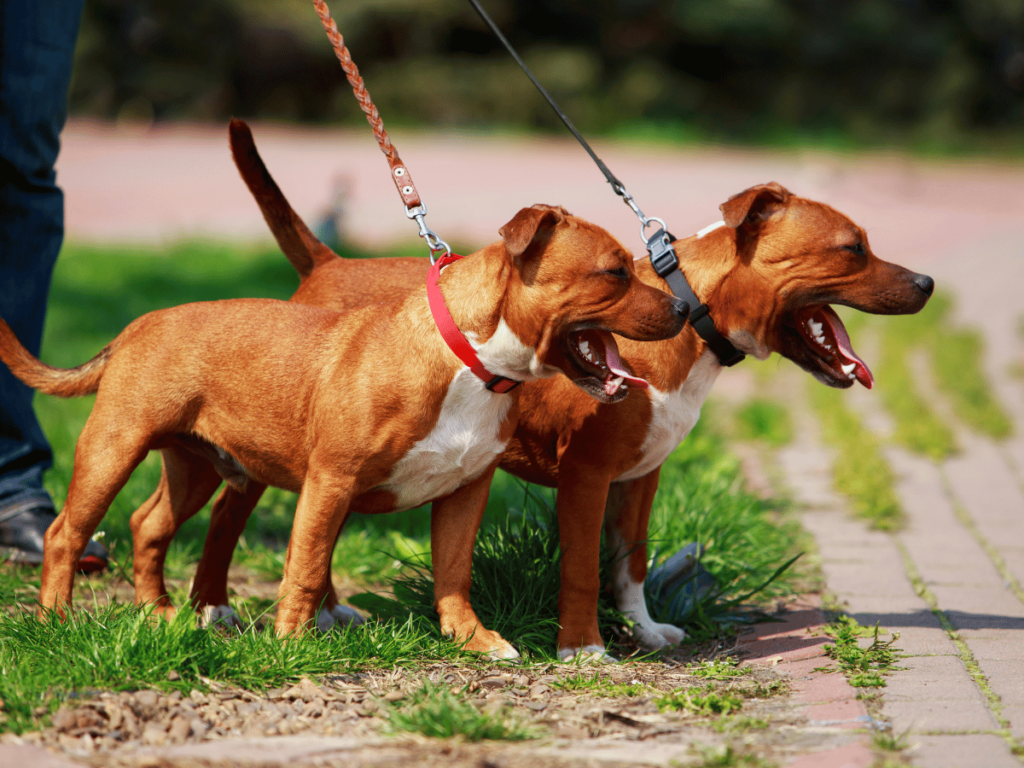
(220, 615)
(631, 600)
(588, 654)
(338, 616)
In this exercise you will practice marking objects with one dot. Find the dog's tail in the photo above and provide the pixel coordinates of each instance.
(303, 249)
(61, 382)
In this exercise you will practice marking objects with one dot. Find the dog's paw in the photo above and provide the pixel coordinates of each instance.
(506, 652)
(653, 636)
(338, 616)
(220, 616)
(589, 654)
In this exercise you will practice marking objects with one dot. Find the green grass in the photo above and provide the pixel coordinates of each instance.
(702, 497)
(955, 355)
(765, 420)
(864, 666)
(435, 711)
(597, 685)
(859, 469)
(96, 292)
(701, 701)
(917, 425)
(120, 647)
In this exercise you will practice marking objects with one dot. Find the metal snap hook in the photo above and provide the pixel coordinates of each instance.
(645, 223)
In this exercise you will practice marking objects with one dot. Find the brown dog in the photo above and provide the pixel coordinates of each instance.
(767, 273)
(364, 411)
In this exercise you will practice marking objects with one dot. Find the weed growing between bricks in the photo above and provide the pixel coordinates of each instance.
(865, 667)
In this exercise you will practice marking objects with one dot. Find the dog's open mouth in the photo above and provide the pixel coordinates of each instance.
(596, 354)
(827, 338)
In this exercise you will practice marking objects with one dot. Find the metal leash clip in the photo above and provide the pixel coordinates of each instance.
(434, 243)
(645, 221)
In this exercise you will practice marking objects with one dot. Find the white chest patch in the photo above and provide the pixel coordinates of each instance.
(505, 354)
(673, 415)
(459, 447)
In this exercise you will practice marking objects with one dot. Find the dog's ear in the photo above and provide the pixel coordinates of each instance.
(754, 204)
(530, 229)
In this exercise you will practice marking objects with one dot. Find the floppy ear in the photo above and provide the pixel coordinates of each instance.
(753, 204)
(531, 227)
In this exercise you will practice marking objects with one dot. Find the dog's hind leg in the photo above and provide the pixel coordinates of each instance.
(105, 458)
(187, 481)
(230, 513)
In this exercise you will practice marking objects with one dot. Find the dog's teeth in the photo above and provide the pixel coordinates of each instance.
(612, 385)
(820, 339)
(848, 369)
(815, 327)
(585, 349)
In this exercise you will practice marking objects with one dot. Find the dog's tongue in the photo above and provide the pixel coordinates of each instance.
(616, 366)
(845, 349)
(604, 344)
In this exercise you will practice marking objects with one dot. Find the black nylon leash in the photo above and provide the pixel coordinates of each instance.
(659, 245)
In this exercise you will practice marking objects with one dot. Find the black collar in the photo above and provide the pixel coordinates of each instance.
(666, 264)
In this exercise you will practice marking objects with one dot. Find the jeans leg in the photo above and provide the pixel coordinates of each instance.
(37, 42)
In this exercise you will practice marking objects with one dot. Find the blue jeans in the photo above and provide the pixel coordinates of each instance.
(37, 44)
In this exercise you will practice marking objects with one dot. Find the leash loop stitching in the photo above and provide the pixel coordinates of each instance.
(399, 171)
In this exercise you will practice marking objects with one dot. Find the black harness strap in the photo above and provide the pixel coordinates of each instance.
(666, 264)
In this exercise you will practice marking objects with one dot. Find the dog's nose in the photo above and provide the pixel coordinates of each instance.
(925, 283)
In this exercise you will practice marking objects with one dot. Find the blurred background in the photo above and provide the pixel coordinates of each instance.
(928, 75)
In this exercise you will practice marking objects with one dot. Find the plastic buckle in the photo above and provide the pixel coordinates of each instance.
(501, 385)
(663, 255)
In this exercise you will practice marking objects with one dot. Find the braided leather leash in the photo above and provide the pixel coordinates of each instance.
(414, 207)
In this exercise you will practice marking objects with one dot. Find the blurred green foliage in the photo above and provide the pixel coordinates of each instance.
(940, 74)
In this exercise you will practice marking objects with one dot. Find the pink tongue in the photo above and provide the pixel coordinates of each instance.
(615, 365)
(846, 352)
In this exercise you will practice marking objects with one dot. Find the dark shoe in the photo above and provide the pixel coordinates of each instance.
(22, 527)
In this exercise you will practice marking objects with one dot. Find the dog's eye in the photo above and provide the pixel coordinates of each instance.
(619, 272)
(857, 248)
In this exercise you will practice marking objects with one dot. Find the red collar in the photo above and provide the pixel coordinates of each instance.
(453, 336)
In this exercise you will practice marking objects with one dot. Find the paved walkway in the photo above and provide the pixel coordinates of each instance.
(950, 583)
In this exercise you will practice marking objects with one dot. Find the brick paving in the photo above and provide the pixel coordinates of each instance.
(950, 583)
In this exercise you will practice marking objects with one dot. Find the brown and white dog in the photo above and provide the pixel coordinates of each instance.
(768, 274)
(366, 410)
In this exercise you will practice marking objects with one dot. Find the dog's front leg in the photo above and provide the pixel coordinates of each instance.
(627, 519)
(580, 503)
(454, 521)
(320, 513)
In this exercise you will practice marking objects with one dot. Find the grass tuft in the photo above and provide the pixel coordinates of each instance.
(765, 420)
(436, 712)
(863, 666)
(700, 701)
(859, 470)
